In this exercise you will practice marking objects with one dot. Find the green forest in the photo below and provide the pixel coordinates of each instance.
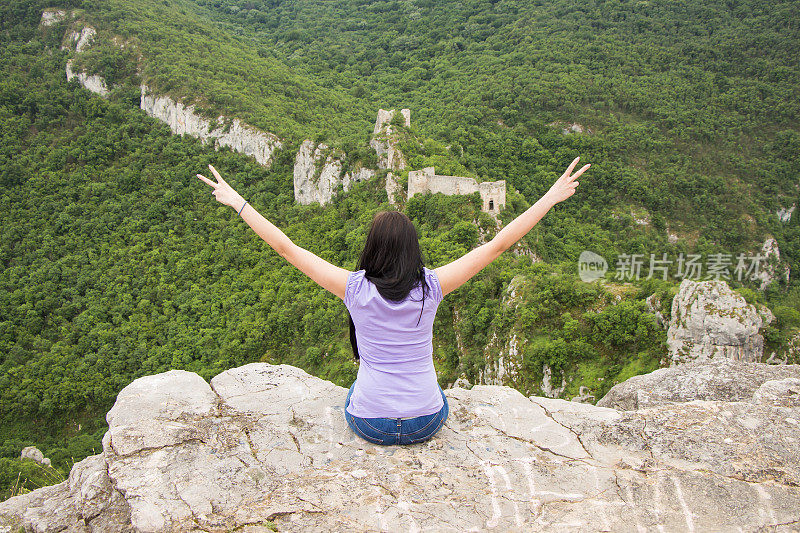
(118, 263)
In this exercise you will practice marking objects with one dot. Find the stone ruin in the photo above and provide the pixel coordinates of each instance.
(493, 193)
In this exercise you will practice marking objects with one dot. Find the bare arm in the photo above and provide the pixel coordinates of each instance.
(453, 275)
(328, 276)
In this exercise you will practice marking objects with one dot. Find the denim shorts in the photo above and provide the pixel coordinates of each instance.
(397, 430)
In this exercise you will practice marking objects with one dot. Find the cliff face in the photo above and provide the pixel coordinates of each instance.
(270, 443)
(318, 171)
(238, 135)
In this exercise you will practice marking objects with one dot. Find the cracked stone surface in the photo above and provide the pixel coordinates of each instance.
(264, 443)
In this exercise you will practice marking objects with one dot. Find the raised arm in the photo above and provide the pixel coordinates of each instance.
(328, 276)
(453, 275)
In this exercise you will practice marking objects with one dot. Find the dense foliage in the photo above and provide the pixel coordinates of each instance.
(118, 263)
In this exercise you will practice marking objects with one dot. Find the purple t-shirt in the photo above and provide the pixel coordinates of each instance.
(396, 377)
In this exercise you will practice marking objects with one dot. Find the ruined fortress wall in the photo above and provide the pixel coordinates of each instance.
(493, 193)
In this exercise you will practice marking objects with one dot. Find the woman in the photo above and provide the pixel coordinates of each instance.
(392, 299)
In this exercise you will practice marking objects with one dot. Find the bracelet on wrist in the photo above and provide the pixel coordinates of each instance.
(240, 210)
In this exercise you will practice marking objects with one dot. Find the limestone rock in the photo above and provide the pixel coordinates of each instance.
(547, 385)
(724, 380)
(392, 188)
(771, 267)
(270, 443)
(32, 452)
(785, 214)
(384, 141)
(654, 306)
(92, 82)
(711, 321)
(80, 40)
(318, 172)
(52, 16)
(239, 136)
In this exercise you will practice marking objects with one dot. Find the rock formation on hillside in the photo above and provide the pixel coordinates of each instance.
(92, 82)
(32, 452)
(709, 320)
(785, 213)
(723, 380)
(226, 131)
(266, 445)
(771, 267)
(52, 16)
(318, 171)
(384, 141)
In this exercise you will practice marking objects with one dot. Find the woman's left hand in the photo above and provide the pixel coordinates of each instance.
(223, 192)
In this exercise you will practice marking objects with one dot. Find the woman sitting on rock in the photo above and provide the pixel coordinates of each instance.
(392, 299)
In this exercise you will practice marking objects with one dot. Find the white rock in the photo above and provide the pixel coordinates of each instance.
(709, 321)
(32, 452)
(785, 214)
(277, 448)
(52, 16)
(767, 272)
(93, 82)
(239, 136)
(318, 172)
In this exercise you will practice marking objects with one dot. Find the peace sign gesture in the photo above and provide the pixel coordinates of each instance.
(565, 186)
(223, 192)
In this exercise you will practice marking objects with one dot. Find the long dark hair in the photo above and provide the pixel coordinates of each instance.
(392, 260)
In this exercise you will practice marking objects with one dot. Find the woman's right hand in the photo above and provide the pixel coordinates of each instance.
(565, 186)
(223, 192)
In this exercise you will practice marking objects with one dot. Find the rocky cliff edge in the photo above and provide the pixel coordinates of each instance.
(267, 447)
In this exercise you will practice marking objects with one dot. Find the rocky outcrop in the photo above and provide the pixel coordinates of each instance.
(32, 452)
(547, 385)
(654, 307)
(503, 359)
(52, 16)
(92, 82)
(785, 213)
(570, 127)
(79, 40)
(710, 321)
(226, 131)
(268, 445)
(384, 140)
(725, 380)
(771, 267)
(318, 172)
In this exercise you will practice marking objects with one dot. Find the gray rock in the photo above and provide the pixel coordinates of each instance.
(384, 141)
(240, 137)
(771, 268)
(32, 452)
(318, 172)
(724, 380)
(270, 443)
(711, 321)
(52, 16)
(785, 213)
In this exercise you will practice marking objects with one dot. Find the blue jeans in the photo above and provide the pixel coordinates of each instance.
(397, 430)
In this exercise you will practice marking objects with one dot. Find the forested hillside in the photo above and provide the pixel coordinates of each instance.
(118, 263)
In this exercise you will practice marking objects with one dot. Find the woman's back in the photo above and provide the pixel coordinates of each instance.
(396, 376)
